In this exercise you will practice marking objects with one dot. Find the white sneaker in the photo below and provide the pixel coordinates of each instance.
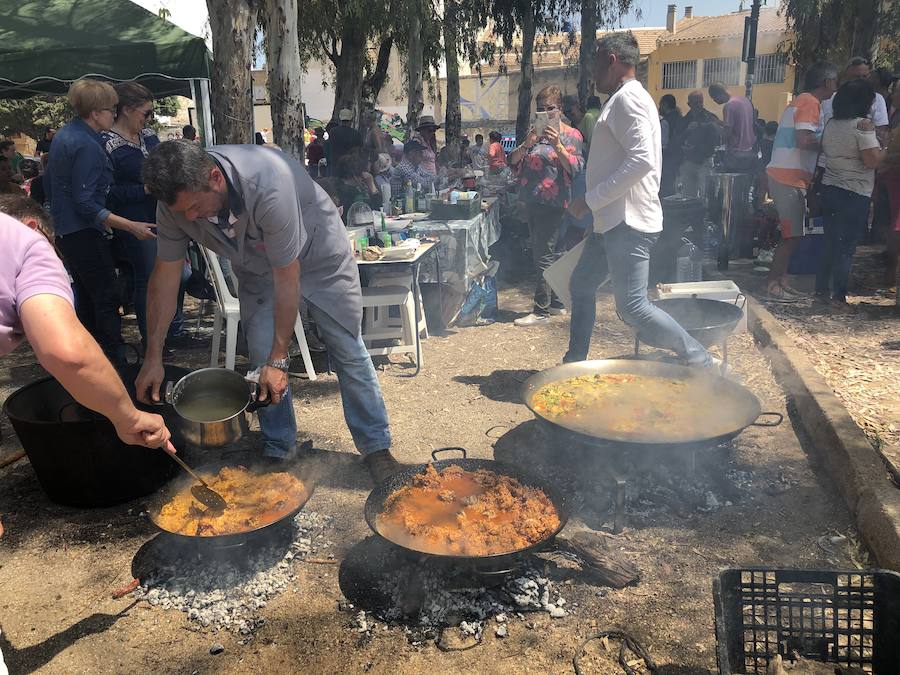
(531, 320)
(557, 311)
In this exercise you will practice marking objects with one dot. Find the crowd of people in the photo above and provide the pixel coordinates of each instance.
(104, 191)
(367, 164)
(831, 154)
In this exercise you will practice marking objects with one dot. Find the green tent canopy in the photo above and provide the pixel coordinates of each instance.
(47, 44)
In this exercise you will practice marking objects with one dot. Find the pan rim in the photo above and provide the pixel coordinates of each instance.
(627, 366)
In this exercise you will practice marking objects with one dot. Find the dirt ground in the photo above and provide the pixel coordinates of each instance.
(856, 350)
(58, 566)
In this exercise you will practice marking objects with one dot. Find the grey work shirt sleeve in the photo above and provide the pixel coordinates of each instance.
(276, 213)
(171, 240)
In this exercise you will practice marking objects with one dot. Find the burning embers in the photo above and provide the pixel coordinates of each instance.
(426, 595)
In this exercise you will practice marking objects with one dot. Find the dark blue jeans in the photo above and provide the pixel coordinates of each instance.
(623, 254)
(844, 217)
(363, 404)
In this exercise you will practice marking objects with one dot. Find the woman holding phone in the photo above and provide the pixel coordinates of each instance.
(547, 161)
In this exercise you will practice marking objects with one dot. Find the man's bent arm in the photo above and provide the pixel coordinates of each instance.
(162, 300)
(287, 306)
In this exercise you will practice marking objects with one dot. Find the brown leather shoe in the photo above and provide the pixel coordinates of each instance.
(381, 465)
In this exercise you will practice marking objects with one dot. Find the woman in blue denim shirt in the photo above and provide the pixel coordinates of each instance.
(127, 144)
(77, 181)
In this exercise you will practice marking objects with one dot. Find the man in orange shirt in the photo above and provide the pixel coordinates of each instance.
(794, 153)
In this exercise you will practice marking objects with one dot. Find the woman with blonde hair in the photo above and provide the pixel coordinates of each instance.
(79, 176)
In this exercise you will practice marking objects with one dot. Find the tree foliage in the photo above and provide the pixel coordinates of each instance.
(535, 19)
(342, 33)
(32, 115)
(835, 30)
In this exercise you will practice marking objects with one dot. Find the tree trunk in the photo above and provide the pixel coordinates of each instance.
(415, 58)
(586, 51)
(283, 56)
(348, 79)
(232, 24)
(453, 118)
(523, 116)
(866, 33)
(375, 81)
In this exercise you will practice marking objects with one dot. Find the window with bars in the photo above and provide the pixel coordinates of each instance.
(770, 68)
(725, 70)
(679, 75)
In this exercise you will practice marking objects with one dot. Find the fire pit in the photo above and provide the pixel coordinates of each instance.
(385, 583)
(223, 588)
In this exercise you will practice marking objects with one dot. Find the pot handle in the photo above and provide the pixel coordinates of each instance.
(435, 453)
(255, 405)
(773, 424)
(169, 395)
(740, 300)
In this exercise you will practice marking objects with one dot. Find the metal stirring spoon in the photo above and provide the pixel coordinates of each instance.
(202, 493)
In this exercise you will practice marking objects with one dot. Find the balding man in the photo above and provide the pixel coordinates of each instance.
(740, 133)
(698, 145)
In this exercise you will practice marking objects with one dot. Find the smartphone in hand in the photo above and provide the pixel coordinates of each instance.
(542, 120)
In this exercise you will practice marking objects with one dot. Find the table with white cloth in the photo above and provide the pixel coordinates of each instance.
(463, 253)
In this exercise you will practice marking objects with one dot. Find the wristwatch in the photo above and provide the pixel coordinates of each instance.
(283, 365)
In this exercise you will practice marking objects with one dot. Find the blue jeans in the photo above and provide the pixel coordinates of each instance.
(142, 256)
(844, 217)
(363, 404)
(623, 254)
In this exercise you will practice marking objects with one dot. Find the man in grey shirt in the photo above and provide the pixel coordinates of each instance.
(260, 209)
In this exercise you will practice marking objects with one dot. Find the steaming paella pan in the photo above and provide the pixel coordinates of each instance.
(466, 509)
(642, 403)
(258, 499)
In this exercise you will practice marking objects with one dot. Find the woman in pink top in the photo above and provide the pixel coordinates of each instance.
(496, 153)
(36, 304)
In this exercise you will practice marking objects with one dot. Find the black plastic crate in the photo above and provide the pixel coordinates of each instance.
(846, 617)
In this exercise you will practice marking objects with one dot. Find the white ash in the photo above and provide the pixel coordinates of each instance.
(218, 594)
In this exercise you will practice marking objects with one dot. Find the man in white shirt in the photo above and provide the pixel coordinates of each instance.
(858, 69)
(623, 171)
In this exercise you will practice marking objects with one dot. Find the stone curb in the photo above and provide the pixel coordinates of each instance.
(836, 441)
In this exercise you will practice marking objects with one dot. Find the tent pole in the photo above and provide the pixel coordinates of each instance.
(200, 94)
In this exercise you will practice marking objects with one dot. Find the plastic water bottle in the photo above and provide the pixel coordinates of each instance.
(710, 242)
(688, 264)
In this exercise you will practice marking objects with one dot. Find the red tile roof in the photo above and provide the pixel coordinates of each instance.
(646, 37)
(724, 26)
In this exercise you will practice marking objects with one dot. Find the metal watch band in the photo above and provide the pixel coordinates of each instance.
(281, 364)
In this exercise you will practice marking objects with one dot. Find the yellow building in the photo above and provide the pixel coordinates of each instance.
(696, 51)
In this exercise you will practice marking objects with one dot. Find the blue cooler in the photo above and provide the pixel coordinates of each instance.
(806, 258)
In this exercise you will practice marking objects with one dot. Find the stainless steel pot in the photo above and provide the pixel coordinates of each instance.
(228, 392)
